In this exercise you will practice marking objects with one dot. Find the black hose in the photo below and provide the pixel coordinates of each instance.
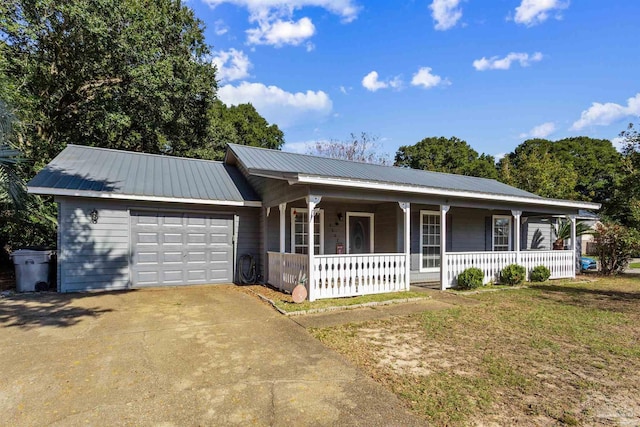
(247, 276)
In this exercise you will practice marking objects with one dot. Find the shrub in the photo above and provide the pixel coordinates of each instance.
(513, 274)
(539, 274)
(615, 246)
(471, 278)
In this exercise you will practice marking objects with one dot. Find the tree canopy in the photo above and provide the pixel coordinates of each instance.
(127, 74)
(596, 163)
(451, 155)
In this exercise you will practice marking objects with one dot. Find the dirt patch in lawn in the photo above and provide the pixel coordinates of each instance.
(553, 354)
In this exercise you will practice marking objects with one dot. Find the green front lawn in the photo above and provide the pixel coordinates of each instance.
(552, 354)
(634, 265)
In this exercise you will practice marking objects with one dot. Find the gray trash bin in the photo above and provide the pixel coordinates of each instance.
(32, 268)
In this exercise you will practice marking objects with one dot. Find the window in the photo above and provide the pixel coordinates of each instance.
(430, 240)
(299, 235)
(501, 233)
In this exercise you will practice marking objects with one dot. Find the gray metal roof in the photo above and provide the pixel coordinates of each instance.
(273, 162)
(80, 170)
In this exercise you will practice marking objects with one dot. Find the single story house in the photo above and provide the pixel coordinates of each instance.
(130, 220)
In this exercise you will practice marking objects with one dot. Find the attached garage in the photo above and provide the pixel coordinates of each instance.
(172, 248)
(131, 220)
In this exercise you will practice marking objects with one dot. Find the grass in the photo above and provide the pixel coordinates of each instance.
(562, 353)
(634, 265)
(288, 306)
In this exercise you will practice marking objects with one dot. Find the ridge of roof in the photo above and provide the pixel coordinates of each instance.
(313, 156)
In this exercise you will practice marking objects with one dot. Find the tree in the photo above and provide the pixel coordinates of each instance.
(451, 155)
(538, 172)
(595, 162)
(127, 74)
(237, 124)
(624, 205)
(364, 148)
(615, 245)
(13, 193)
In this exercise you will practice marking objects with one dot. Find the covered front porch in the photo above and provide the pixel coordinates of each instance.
(359, 247)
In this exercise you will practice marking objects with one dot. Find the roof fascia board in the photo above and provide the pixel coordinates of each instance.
(114, 196)
(309, 179)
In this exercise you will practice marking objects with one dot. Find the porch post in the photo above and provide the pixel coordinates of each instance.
(312, 201)
(572, 218)
(516, 242)
(444, 268)
(283, 208)
(406, 208)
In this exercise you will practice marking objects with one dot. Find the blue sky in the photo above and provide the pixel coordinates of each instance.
(490, 72)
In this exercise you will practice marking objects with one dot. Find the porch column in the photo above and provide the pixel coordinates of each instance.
(516, 242)
(406, 208)
(572, 218)
(283, 209)
(312, 202)
(444, 269)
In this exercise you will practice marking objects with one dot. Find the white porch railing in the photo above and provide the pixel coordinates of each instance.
(560, 263)
(350, 275)
(284, 269)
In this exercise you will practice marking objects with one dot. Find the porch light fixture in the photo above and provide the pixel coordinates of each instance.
(340, 216)
(94, 216)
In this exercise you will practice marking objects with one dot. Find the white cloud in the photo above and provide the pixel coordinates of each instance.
(279, 33)
(427, 80)
(277, 105)
(372, 83)
(275, 23)
(498, 157)
(446, 13)
(220, 28)
(618, 143)
(496, 63)
(532, 12)
(231, 65)
(540, 131)
(346, 9)
(605, 114)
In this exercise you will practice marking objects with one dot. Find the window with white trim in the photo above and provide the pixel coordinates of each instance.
(501, 233)
(299, 234)
(430, 240)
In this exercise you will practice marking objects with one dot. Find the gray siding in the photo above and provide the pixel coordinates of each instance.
(538, 233)
(468, 231)
(386, 228)
(96, 256)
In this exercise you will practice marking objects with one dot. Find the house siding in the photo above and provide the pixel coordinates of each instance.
(535, 227)
(97, 256)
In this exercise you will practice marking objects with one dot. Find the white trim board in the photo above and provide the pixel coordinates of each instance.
(115, 196)
(339, 182)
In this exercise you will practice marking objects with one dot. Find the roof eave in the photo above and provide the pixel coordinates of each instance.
(340, 182)
(118, 196)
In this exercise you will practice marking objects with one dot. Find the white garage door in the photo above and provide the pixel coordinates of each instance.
(181, 248)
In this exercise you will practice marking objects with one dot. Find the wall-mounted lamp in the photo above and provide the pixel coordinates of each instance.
(340, 216)
(94, 216)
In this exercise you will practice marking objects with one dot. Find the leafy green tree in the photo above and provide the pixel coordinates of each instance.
(539, 172)
(237, 124)
(624, 205)
(363, 148)
(128, 74)
(615, 245)
(596, 163)
(451, 155)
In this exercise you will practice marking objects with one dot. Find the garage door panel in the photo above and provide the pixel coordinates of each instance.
(177, 249)
(172, 257)
(196, 238)
(148, 257)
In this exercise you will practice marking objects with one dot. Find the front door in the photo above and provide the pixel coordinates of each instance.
(360, 233)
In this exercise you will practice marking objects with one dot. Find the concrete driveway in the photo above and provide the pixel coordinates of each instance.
(208, 355)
